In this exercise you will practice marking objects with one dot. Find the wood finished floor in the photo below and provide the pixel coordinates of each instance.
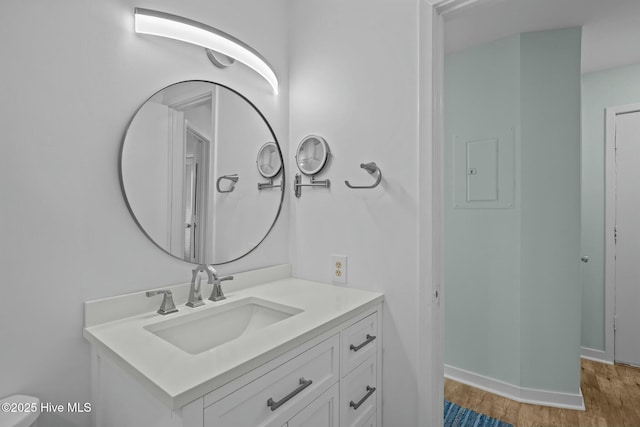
(611, 396)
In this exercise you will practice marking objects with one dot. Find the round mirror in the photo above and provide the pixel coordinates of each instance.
(188, 174)
(268, 161)
(312, 155)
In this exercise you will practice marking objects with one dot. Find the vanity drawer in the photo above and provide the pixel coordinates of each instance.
(323, 412)
(279, 394)
(371, 422)
(359, 342)
(359, 395)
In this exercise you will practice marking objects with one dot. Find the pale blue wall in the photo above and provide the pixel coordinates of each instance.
(609, 88)
(482, 246)
(512, 275)
(551, 292)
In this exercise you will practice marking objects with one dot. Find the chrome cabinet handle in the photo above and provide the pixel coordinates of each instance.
(275, 405)
(367, 341)
(370, 391)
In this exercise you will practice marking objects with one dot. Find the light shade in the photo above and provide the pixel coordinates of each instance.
(176, 27)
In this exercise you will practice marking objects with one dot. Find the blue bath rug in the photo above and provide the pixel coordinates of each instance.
(457, 416)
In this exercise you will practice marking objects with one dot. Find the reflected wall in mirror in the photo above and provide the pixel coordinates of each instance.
(188, 174)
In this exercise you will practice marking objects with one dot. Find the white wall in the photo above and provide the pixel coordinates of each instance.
(354, 81)
(66, 235)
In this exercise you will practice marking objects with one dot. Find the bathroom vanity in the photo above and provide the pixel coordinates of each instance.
(278, 351)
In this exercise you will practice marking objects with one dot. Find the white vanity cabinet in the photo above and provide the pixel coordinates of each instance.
(330, 380)
(310, 355)
(306, 390)
(323, 412)
(281, 393)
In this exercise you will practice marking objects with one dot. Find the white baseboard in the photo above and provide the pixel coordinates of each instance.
(519, 394)
(595, 355)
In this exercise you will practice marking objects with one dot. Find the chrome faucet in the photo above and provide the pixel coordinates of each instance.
(167, 306)
(195, 291)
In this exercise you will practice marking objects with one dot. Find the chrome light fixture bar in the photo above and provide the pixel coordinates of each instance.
(178, 28)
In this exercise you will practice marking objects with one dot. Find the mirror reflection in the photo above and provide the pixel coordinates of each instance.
(189, 175)
(268, 161)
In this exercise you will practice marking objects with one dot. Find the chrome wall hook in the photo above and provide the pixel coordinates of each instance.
(233, 178)
(372, 168)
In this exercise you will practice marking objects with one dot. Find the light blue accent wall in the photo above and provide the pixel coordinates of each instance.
(600, 90)
(551, 291)
(482, 255)
(512, 289)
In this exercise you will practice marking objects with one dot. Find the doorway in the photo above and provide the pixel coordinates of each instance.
(595, 246)
(605, 27)
(624, 288)
(512, 211)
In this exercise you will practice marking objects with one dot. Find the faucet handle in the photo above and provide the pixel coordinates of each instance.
(216, 292)
(167, 306)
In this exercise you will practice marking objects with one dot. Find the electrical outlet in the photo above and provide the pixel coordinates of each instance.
(339, 269)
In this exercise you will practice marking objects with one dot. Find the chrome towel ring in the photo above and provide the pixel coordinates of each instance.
(372, 168)
(233, 178)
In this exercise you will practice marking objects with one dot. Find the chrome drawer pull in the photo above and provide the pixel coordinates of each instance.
(367, 341)
(370, 391)
(275, 405)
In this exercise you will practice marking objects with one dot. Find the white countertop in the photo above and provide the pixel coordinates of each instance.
(177, 377)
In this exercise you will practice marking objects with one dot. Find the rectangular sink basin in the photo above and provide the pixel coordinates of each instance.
(211, 327)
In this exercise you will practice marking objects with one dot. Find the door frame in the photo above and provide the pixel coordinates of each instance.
(431, 201)
(610, 222)
(202, 188)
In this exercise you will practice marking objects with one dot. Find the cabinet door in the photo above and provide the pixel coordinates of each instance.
(359, 342)
(322, 412)
(359, 394)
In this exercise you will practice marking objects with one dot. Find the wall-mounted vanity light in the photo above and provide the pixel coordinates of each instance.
(176, 27)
